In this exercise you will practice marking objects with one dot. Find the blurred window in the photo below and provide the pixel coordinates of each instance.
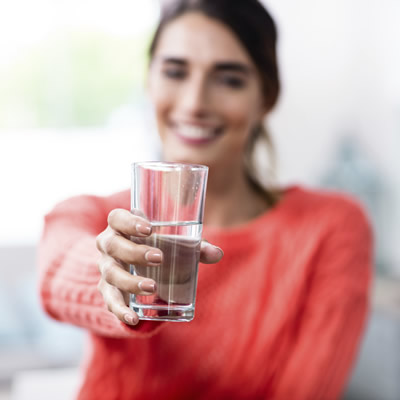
(72, 119)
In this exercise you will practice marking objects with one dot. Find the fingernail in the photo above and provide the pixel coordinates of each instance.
(143, 229)
(147, 286)
(130, 320)
(213, 245)
(220, 250)
(153, 256)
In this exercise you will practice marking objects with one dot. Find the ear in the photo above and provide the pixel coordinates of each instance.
(264, 110)
(264, 107)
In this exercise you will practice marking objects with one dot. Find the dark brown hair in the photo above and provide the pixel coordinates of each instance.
(255, 29)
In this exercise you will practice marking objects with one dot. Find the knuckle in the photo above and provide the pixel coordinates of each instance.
(111, 216)
(99, 240)
(99, 263)
(109, 244)
(108, 273)
(100, 288)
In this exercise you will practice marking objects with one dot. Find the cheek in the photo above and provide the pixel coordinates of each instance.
(161, 105)
(160, 93)
(242, 115)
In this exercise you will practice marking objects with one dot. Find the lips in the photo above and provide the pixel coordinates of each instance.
(196, 134)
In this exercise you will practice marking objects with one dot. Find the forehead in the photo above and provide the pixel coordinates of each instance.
(201, 39)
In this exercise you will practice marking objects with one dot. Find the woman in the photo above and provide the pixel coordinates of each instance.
(280, 316)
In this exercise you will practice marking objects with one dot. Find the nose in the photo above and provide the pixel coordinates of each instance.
(194, 98)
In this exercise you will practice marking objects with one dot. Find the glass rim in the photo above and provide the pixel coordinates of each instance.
(167, 165)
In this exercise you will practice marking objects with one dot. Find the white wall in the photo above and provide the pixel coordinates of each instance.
(340, 63)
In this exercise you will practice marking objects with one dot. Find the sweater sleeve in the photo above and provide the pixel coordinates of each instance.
(331, 324)
(68, 273)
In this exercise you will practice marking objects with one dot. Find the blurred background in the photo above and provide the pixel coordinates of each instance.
(74, 115)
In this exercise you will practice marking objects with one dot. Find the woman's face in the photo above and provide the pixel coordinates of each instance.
(206, 92)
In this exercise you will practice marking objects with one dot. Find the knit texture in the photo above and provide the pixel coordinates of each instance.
(279, 317)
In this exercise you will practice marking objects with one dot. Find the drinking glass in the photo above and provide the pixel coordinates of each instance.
(171, 196)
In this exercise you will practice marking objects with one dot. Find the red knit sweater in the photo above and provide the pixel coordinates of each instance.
(280, 317)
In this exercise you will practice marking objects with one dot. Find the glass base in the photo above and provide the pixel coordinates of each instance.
(172, 314)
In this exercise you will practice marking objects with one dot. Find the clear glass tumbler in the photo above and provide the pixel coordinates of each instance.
(171, 196)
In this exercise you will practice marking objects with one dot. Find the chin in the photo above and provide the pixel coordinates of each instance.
(186, 160)
(189, 157)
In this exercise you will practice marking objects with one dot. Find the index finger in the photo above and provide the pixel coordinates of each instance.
(127, 223)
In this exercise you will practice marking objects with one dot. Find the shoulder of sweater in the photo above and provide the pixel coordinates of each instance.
(328, 206)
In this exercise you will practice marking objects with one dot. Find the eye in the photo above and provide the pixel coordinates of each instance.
(174, 73)
(232, 81)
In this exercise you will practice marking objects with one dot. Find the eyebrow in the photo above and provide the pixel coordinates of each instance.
(219, 66)
(233, 66)
(174, 60)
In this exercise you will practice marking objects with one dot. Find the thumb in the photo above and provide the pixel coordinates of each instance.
(210, 254)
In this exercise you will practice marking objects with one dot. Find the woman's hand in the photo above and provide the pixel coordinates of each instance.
(118, 251)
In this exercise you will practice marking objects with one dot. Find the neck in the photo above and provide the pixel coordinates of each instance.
(231, 200)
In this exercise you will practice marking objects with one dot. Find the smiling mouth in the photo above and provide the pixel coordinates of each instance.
(196, 134)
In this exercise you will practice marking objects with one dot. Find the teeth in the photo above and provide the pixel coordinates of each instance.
(195, 132)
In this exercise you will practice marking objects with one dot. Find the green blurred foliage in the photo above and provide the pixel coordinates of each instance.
(74, 79)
